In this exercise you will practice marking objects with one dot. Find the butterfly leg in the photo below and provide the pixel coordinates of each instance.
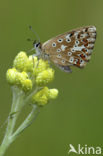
(46, 57)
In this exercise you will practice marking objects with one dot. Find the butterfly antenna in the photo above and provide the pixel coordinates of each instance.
(30, 27)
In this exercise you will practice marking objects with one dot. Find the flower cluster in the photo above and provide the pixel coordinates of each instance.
(29, 72)
(43, 96)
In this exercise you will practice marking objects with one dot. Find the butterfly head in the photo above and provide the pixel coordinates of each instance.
(37, 44)
(37, 47)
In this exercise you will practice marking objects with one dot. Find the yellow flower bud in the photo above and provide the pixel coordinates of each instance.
(40, 66)
(24, 74)
(41, 97)
(27, 85)
(20, 77)
(53, 93)
(31, 63)
(20, 61)
(45, 77)
(11, 76)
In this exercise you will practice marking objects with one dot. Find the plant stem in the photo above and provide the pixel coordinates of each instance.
(32, 93)
(27, 122)
(17, 100)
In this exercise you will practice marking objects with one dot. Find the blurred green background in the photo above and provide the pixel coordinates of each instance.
(76, 117)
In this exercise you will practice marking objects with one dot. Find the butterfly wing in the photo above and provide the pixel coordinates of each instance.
(71, 48)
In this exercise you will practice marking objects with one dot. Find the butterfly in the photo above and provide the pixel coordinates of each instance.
(73, 48)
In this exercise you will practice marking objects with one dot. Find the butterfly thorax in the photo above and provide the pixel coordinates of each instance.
(40, 52)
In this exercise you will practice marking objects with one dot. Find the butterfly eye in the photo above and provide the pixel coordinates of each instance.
(37, 44)
(54, 44)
